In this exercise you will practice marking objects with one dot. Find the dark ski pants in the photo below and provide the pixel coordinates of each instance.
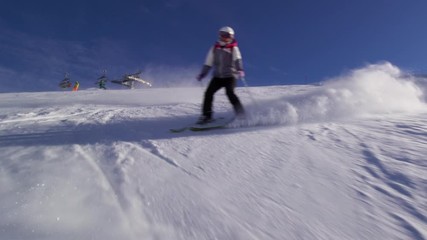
(217, 83)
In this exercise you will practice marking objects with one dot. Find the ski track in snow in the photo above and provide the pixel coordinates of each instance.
(106, 167)
(384, 175)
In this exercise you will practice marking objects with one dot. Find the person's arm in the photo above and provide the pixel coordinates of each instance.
(207, 66)
(237, 58)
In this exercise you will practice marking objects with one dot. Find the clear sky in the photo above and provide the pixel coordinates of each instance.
(282, 41)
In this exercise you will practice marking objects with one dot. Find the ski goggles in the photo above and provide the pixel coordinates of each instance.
(225, 35)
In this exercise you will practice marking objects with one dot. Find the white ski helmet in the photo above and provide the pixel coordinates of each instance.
(227, 30)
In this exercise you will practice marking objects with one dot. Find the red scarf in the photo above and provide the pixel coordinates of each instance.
(228, 45)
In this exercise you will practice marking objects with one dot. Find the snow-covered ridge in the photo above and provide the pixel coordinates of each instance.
(341, 160)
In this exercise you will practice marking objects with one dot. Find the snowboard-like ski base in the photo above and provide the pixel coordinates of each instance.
(215, 124)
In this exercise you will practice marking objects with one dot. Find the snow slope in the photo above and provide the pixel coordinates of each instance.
(342, 160)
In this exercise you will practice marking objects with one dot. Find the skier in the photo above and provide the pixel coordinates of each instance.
(101, 82)
(76, 86)
(225, 59)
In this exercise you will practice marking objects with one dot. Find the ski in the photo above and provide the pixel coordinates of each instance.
(217, 123)
(178, 130)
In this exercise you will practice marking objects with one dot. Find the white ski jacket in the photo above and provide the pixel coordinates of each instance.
(225, 59)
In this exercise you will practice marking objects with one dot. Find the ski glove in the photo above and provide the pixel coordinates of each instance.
(200, 77)
(241, 74)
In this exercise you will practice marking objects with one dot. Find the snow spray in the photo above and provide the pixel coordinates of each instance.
(375, 89)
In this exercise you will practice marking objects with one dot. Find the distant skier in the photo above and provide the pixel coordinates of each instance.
(225, 59)
(76, 86)
(101, 82)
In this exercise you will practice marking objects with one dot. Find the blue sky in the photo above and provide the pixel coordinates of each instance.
(282, 42)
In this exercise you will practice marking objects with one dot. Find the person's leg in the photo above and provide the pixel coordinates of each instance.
(213, 87)
(232, 97)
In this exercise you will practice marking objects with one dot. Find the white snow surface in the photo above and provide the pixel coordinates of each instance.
(345, 159)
